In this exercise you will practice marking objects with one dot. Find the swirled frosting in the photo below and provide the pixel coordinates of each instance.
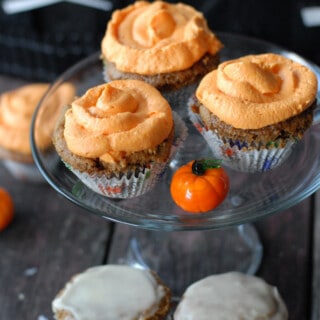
(158, 37)
(16, 110)
(258, 90)
(116, 118)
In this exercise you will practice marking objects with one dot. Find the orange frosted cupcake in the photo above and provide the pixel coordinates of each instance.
(254, 109)
(16, 110)
(113, 292)
(166, 45)
(118, 137)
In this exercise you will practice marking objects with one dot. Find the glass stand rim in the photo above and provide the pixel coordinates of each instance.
(251, 197)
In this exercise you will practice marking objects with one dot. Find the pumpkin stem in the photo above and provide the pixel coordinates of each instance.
(200, 166)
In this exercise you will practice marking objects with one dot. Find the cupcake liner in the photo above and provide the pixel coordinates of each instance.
(123, 187)
(133, 184)
(237, 156)
(27, 172)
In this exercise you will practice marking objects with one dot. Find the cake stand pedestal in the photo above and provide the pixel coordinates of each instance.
(192, 255)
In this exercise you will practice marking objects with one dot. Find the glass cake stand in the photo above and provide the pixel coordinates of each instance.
(227, 230)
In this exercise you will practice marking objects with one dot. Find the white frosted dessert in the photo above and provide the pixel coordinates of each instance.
(231, 295)
(112, 292)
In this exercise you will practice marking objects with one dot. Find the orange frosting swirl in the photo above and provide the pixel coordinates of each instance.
(116, 118)
(158, 37)
(258, 90)
(16, 111)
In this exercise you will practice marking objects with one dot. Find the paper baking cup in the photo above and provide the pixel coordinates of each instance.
(236, 156)
(122, 187)
(27, 172)
(133, 185)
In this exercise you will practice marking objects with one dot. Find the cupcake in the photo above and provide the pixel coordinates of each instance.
(166, 45)
(113, 292)
(253, 110)
(231, 295)
(118, 137)
(16, 110)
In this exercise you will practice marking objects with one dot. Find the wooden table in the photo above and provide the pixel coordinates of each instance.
(51, 239)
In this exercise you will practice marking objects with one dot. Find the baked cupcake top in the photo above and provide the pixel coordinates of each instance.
(111, 292)
(157, 37)
(116, 118)
(16, 110)
(231, 295)
(255, 91)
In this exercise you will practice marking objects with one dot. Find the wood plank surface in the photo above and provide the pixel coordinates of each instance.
(287, 260)
(316, 260)
(49, 240)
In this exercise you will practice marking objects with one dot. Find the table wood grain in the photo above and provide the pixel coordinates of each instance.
(315, 234)
(51, 239)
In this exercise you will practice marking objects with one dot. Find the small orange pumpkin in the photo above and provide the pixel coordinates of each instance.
(200, 185)
(6, 209)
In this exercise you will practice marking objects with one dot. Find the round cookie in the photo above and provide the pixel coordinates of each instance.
(231, 295)
(113, 292)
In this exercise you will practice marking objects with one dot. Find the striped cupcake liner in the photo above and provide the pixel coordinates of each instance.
(237, 156)
(123, 187)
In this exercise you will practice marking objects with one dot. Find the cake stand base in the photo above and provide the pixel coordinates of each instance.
(183, 257)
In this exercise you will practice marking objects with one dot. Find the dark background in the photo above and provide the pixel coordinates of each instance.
(42, 43)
